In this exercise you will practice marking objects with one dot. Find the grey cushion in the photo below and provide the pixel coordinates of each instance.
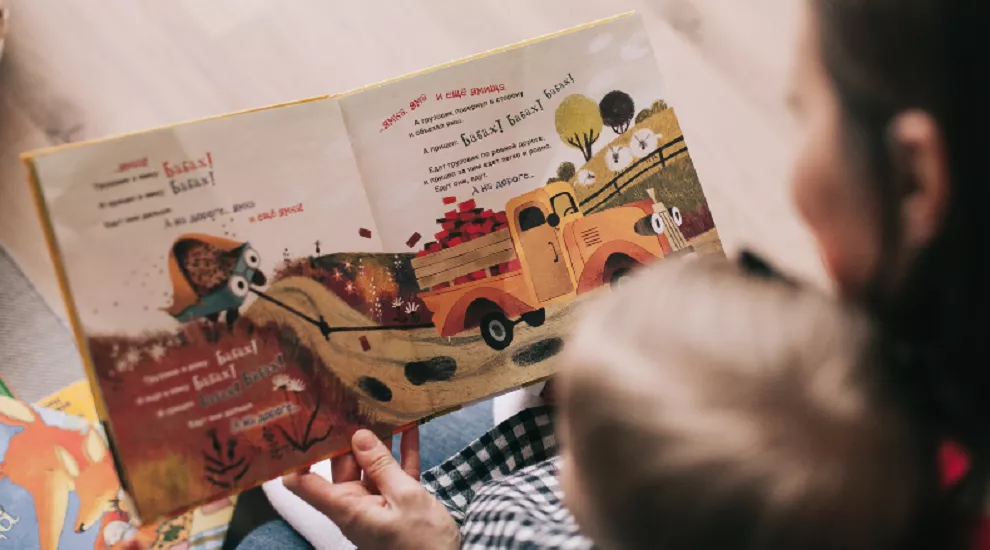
(38, 355)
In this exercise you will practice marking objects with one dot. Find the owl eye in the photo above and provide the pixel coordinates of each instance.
(251, 258)
(239, 286)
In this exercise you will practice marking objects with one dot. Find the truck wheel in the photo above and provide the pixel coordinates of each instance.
(618, 275)
(496, 329)
(535, 318)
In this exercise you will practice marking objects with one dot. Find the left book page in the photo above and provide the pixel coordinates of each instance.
(176, 249)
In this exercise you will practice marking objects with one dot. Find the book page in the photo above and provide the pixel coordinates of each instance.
(522, 180)
(200, 260)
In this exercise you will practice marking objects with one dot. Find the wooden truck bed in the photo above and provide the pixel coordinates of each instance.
(479, 254)
(450, 305)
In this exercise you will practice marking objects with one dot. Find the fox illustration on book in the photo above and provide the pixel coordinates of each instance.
(50, 462)
(211, 276)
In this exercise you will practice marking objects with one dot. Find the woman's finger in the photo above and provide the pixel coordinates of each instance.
(335, 500)
(409, 452)
(344, 468)
(379, 467)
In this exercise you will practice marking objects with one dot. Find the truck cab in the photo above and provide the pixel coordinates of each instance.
(565, 252)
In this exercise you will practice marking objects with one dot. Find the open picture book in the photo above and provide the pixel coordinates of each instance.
(248, 290)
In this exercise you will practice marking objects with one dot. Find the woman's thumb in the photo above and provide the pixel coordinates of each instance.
(375, 459)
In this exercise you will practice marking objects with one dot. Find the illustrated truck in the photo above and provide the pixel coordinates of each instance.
(547, 252)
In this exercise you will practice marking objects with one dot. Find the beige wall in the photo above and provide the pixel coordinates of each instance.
(73, 72)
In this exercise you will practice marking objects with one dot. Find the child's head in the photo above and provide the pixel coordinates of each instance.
(705, 408)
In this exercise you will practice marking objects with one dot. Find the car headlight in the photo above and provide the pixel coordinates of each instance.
(675, 213)
(650, 225)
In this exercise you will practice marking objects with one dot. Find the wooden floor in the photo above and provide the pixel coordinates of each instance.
(74, 71)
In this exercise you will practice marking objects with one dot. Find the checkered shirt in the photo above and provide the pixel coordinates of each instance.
(503, 491)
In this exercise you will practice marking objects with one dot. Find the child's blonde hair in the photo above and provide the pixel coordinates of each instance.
(708, 408)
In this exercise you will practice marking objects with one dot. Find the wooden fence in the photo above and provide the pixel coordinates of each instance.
(630, 175)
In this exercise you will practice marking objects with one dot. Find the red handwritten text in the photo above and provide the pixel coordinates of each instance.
(453, 94)
(188, 165)
(414, 104)
(490, 89)
(388, 122)
(277, 213)
(139, 163)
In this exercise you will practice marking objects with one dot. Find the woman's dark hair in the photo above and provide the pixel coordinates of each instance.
(885, 57)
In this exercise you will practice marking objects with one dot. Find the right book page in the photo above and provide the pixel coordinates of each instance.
(512, 184)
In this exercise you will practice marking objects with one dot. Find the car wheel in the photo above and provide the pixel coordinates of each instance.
(496, 329)
(618, 275)
(535, 318)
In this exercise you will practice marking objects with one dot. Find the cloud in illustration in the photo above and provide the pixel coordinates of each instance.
(601, 84)
(637, 47)
(600, 43)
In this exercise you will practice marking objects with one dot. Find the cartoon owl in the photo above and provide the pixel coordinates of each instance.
(211, 275)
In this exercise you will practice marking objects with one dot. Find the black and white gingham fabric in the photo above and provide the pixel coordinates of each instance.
(503, 491)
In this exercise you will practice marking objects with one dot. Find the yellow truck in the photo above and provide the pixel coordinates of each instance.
(561, 253)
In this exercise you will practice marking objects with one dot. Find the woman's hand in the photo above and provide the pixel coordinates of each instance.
(389, 509)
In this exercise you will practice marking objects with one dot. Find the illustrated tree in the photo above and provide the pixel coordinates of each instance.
(617, 110)
(566, 171)
(657, 107)
(579, 123)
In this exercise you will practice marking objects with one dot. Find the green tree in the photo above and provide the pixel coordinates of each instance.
(579, 123)
(658, 107)
(566, 171)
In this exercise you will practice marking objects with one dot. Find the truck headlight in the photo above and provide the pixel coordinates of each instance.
(650, 225)
(675, 214)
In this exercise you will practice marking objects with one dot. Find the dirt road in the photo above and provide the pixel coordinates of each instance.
(408, 374)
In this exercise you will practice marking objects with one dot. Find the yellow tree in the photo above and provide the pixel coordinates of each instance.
(579, 123)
